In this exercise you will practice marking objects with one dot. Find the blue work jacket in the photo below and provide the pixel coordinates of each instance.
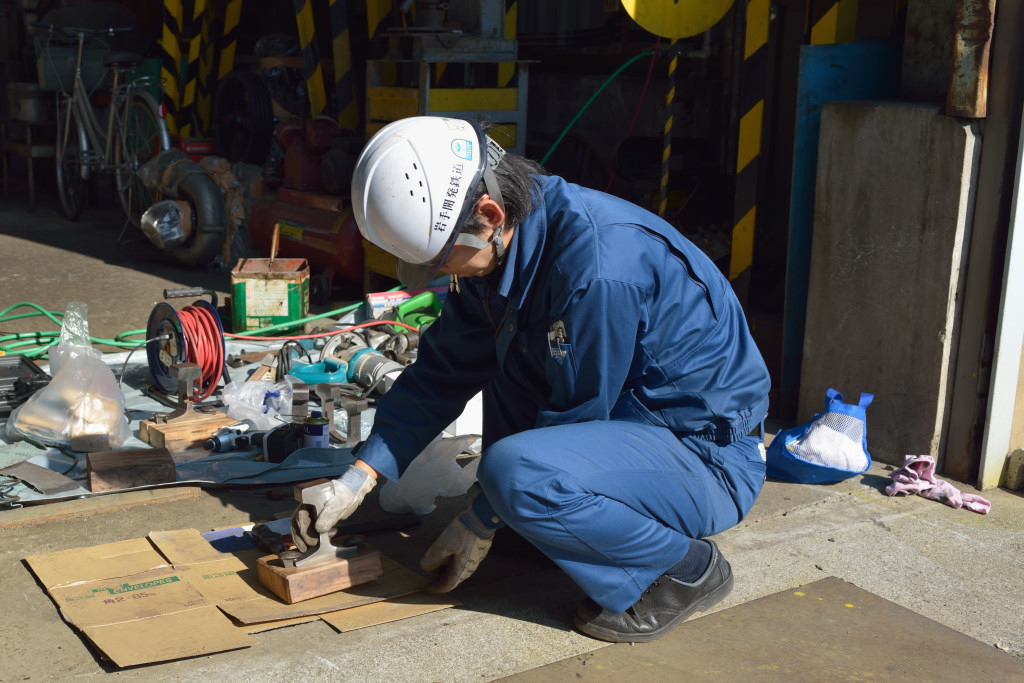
(602, 311)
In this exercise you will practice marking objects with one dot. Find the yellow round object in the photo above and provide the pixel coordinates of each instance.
(677, 19)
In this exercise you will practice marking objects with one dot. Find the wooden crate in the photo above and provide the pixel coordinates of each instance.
(184, 434)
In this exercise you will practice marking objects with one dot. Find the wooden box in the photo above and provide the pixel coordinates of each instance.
(184, 434)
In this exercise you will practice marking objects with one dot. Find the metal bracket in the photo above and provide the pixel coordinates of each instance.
(187, 375)
(353, 407)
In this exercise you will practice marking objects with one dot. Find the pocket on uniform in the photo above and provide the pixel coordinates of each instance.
(562, 363)
(629, 408)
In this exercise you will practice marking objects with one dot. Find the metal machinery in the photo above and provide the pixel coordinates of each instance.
(465, 67)
(453, 58)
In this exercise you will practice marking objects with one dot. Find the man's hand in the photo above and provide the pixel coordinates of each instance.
(341, 498)
(457, 552)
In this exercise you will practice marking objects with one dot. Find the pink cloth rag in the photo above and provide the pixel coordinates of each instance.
(918, 476)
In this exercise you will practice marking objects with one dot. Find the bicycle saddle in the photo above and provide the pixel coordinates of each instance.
(122, 60)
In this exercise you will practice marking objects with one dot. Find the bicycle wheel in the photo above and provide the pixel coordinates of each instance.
(70, 185)
(140, 139)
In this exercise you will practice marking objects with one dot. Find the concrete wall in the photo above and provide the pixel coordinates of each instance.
(891, 226)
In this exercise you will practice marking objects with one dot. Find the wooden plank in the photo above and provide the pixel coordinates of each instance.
(115, 470)
(295, 584)
(93, 505)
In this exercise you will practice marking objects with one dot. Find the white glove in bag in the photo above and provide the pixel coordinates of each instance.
(433, 473)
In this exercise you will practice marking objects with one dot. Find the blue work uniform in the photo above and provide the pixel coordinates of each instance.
(621, 390)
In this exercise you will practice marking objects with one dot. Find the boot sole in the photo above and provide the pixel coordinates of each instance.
(709, 601)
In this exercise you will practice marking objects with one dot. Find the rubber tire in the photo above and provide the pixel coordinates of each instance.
(243, 118)
(145, 106)
(70, 184)
(202, 247)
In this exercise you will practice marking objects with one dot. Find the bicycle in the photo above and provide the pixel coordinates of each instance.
(135, 127)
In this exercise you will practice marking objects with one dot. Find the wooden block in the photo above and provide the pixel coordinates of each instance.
(115, 470)
(182, 435)
(295, 584)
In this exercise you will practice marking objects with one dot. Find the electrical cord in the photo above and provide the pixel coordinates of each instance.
(284, 356)
(640, 103)
(589, 102)
(120, 379)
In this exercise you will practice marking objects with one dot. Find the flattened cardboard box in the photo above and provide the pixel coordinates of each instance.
(170, 595)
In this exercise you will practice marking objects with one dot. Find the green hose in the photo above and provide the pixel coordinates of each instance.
(14, 343)
(591, 101)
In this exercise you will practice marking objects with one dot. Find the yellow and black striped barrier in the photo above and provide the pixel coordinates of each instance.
(192, 35)
(170, 59)
(832, 21)
(507, 70)
(228, 44)
(344, 82)
(312, 71)
(206, 82)
(753, 82)
(666, 152)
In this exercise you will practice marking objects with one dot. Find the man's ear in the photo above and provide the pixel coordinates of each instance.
(489, 212)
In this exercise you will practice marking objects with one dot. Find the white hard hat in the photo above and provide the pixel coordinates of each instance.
(412, 189)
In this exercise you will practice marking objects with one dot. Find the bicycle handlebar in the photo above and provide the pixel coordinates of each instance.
(86, 32)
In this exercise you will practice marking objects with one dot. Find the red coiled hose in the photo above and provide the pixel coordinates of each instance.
(205, 347)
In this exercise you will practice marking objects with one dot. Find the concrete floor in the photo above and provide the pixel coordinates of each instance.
(954, 567)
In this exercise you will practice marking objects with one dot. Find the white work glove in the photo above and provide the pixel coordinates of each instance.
(341, 498)
(457, 552)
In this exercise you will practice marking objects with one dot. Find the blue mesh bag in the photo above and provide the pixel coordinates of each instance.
(831, 447)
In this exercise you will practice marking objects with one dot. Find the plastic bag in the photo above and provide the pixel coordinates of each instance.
(82, 408)
(168, 223)
(433, 473)
(261, 402)
(831, 447)
(74, 337)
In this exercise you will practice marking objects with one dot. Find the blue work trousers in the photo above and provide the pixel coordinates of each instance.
(615, 504)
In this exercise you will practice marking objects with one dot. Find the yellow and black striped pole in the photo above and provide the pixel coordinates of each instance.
(666, 152)
(207, 65)
(228, 43)
(187, 113)
(507, 70)
(378, 18)
(312, 71)
(832, 21)
(753, 82)
(170, 60)
(344, 82)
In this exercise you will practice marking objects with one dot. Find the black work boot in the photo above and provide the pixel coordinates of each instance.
(665, 604)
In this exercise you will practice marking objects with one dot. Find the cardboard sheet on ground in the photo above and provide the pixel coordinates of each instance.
(172, 595)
